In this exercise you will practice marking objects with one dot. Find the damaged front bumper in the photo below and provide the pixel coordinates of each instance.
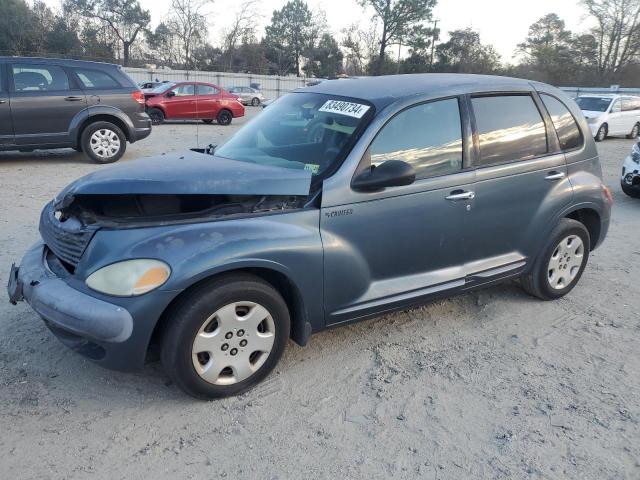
(630, 174)
(97, 329)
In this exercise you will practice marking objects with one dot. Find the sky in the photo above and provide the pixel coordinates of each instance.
(502, 23)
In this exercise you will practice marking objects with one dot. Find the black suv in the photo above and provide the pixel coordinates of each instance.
(53, 103)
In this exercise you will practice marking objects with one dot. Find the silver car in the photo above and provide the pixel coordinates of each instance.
(249, 96)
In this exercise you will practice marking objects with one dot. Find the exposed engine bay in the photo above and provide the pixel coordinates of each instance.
(144, 209)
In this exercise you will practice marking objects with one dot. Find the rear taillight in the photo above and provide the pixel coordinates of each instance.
(138, 96)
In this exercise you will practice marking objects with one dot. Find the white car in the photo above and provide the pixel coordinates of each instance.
(630, 180)
(610, 115)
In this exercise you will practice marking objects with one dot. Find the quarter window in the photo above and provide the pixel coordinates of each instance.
(427, 136)
(184, 90)
(566, 127)
(96, 79)
(34, 78)
(510, 128)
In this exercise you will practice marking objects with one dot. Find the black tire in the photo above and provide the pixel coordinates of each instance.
(224, 117)
(255, 101)
(634, 131)
(208, 120)
(156, 115)
(602, 132)
(536, 281)
(633, 192)
(193, 309)
(107, 128)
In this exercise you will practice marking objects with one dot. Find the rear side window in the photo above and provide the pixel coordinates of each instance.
(207, 90)
(566, 127)
(427, 136)
(36, 78)
(631, 103)
(510, 128)
(95, 79)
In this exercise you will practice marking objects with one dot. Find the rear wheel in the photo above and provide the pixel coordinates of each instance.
(156, 115)
(559, 267)
(255, 101)
(634, 131)
(224, 117)
(225, 336)
(103, 142)
(602, 133)
(633, 192)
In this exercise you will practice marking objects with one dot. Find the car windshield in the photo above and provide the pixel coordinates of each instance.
(593, 104)
(305, 131)
(163, 87)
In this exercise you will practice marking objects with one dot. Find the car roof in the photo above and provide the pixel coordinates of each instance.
(59, 61)
(384, 90)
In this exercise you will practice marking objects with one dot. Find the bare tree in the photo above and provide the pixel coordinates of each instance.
(242, 29)
(361, 47)
(617, 33)
(188, 22)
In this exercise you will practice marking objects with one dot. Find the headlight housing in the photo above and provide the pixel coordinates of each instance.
(129, 278)
(635, 153)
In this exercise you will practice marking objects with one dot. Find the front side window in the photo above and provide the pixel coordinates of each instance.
(184, 90)
(566, 127)
(207, 90)
(305, 131)
(95, 79)
(510, 128)
(617, 106)
(427, 136)
(34, 78)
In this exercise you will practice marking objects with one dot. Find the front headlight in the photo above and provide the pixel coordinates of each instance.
(635, 153)
(130, 277)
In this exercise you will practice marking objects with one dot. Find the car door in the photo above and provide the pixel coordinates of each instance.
(6, 124)
(616, 121)
(630, 113)
(391, 248)
(208, 98)
(44, 102)
(181, 101)
(521, 182)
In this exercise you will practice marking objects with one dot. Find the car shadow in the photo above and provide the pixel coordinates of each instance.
(60, 155)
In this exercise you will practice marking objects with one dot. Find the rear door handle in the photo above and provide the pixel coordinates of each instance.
(73, 99)
(458, 195)
(551, 176)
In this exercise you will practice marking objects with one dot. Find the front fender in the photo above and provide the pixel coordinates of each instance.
(94, 110)
(287, 243)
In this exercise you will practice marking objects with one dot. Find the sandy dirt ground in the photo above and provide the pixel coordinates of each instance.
(493, 384)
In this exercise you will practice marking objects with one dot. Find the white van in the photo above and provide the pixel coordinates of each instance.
(609, 115)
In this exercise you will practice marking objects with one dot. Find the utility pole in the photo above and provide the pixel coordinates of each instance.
(433, 42)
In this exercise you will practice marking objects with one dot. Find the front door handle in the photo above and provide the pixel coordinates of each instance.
(458, 195)
(551, 176)
(73, 99)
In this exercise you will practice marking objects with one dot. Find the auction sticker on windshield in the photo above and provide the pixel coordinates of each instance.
(355, 110)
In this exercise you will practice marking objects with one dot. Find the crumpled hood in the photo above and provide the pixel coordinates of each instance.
(188, 173)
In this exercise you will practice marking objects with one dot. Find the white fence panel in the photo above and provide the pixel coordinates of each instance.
(272, 86)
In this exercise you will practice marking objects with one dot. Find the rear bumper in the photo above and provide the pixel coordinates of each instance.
(141, 126)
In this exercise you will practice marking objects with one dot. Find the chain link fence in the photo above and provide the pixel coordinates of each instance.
(272, 86)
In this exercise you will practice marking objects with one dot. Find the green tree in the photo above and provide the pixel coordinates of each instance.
(287, 37)
(465, 53)
(325, 58)
(125, 19)
(399, 20)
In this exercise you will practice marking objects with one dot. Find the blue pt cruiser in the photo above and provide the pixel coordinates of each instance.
(337, 203)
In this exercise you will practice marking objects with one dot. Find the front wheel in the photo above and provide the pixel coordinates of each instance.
(224, 117)
(560, 265)
(225, 336)
(103, 142)
(633, 192)
(601, 134)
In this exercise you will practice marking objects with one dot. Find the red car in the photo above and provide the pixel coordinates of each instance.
(192, 101)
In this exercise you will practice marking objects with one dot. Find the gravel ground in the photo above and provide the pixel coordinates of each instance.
(492, 384)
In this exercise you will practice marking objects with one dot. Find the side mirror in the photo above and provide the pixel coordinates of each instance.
(170, 94)
(392, 173)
